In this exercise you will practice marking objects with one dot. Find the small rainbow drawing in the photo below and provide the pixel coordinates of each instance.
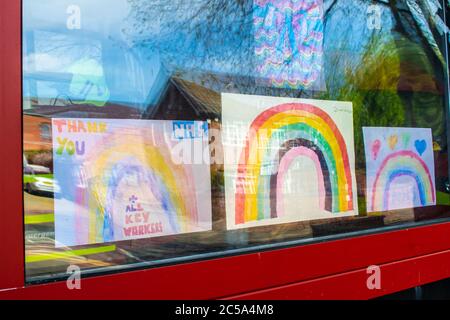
(400, 164)
(119, 156)
(278, 136)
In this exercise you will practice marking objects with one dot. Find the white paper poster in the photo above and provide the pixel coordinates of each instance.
(400, 168)
(129, 179)
(287, 160)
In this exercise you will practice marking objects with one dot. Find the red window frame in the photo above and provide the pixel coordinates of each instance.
(327, 270)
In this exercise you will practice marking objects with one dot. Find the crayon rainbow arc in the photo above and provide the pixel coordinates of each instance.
(278, 136)
(396, 165)
(170, 184)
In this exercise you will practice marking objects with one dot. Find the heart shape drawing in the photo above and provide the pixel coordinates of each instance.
(376, 146)
(392, 141)
(421, 146)
(406, 138)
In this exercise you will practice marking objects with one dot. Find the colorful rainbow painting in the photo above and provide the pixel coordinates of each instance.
(289, 42)
(156, 173)
(130, 187)
(398, 164)
(276, 137)
(399, 159)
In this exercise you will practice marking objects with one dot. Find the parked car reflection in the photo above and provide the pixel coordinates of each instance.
(38, 180)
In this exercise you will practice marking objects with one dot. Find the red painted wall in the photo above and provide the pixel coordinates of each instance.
(11, 213)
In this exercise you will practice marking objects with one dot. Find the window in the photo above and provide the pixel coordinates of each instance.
(45, 131)
(177, 130)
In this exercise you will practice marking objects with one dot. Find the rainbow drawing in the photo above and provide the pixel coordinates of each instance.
(399, 162)
(155, 172)
(276, 137)
(289, 42)
(130, 187)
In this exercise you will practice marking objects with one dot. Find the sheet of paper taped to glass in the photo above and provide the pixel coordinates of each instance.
(289, 42)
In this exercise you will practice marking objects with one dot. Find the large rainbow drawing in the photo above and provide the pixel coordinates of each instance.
(399, 164)
(277, 137)
(170, 184)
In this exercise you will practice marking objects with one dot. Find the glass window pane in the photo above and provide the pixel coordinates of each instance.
(170, 130)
